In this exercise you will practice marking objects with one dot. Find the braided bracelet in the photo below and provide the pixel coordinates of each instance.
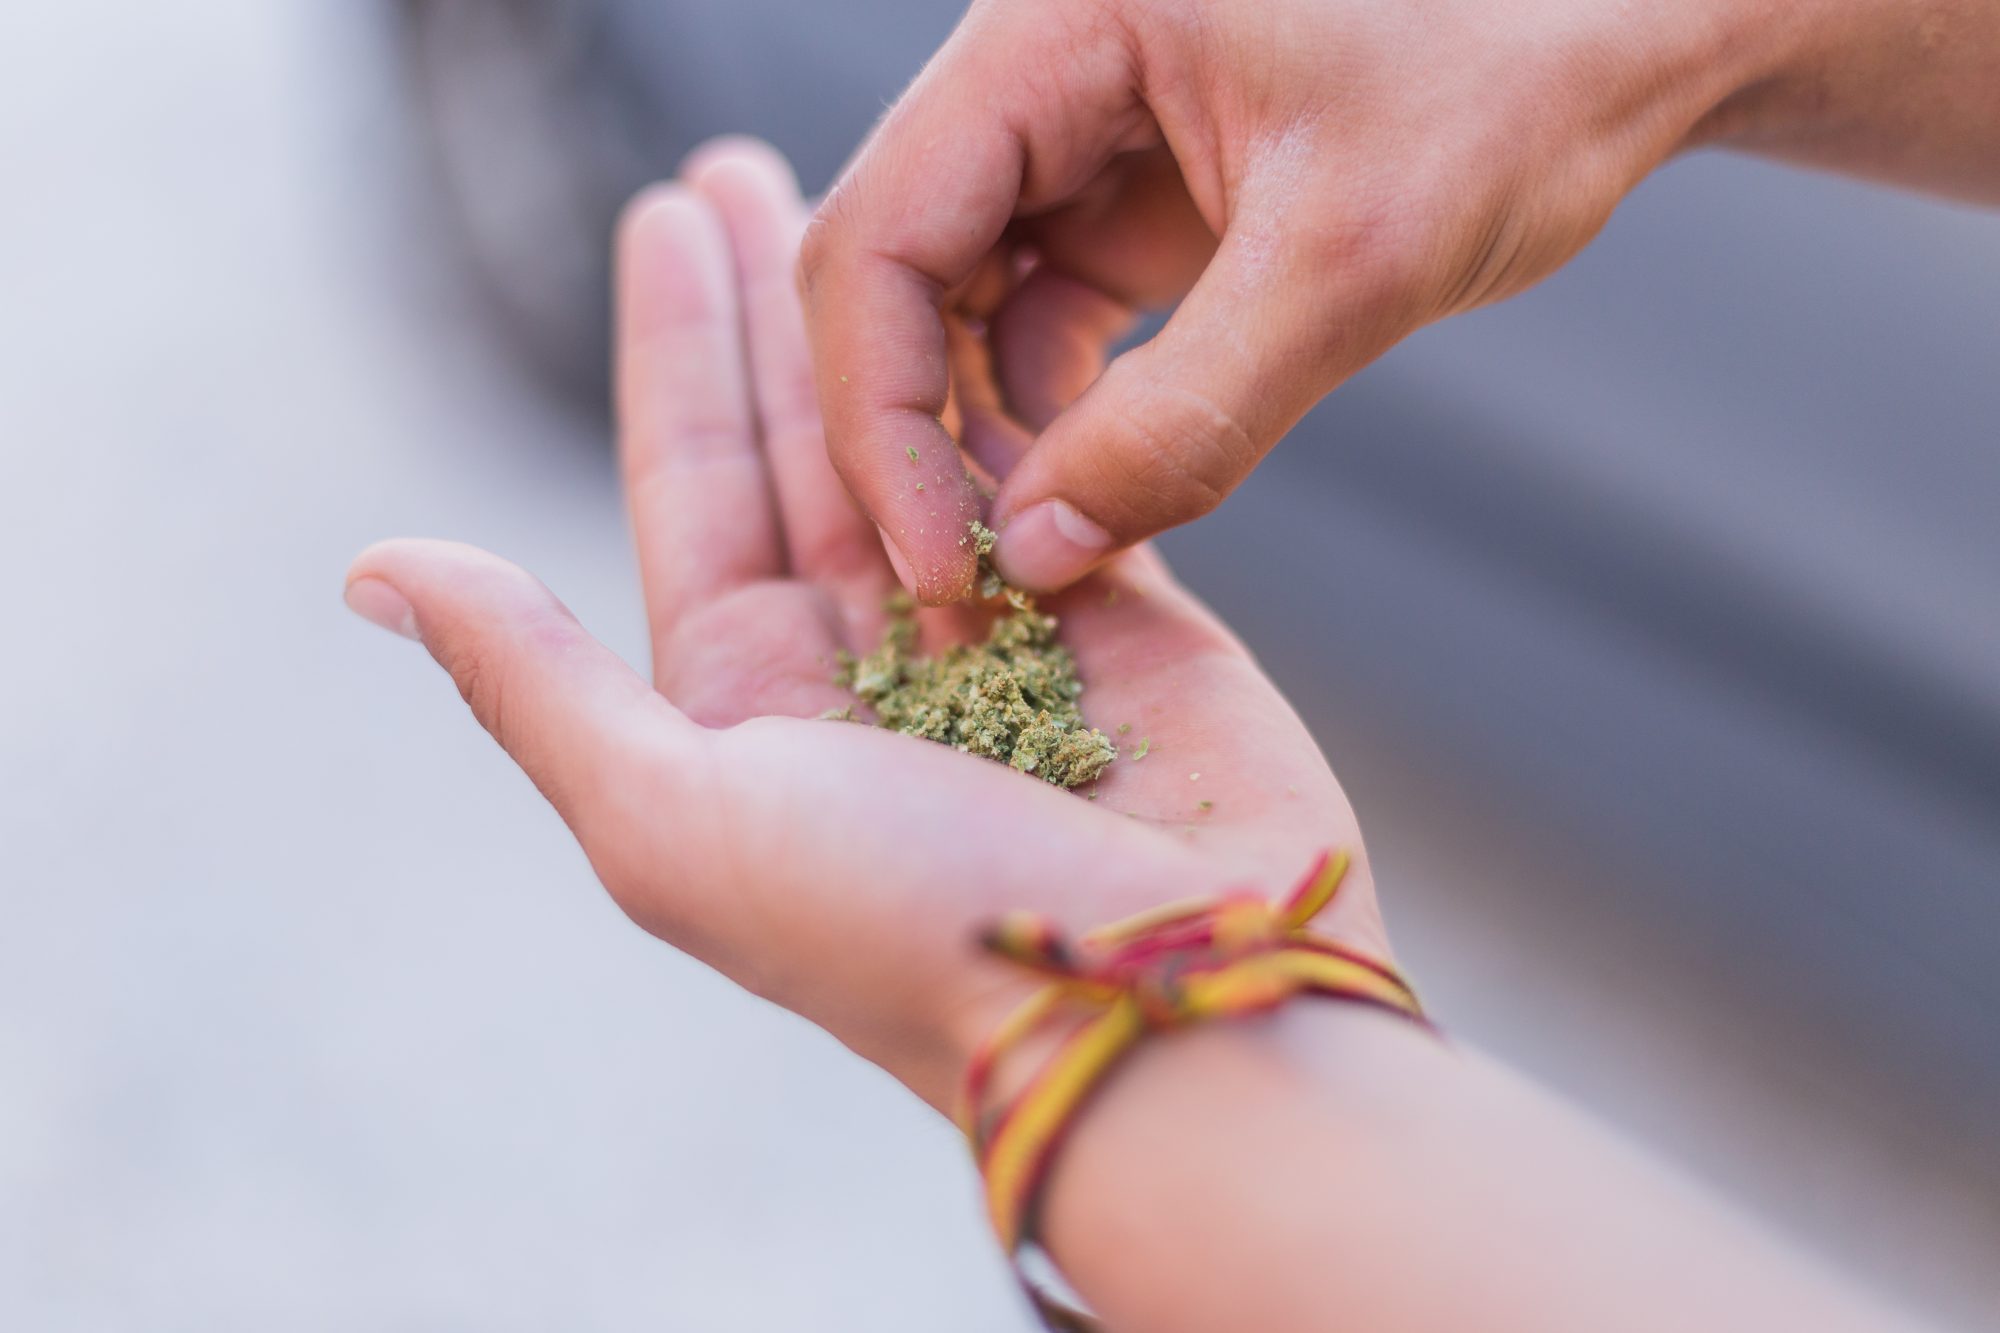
(1170, 967)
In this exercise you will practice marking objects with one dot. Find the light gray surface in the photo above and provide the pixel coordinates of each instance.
(310, 1016)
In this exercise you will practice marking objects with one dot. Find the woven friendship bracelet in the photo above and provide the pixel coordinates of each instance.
(1171, 967)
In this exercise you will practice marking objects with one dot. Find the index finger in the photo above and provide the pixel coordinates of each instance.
(1015, 113)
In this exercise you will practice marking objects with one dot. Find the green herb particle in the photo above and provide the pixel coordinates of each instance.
(911, 450)
(1145, 744)
(1011, 698)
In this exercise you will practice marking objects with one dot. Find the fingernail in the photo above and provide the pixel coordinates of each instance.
(379, 604)
(1048, 546)
(896, 561)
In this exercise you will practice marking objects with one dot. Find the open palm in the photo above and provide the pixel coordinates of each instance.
(840, 869)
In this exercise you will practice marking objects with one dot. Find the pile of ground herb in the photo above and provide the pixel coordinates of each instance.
(1011, 698)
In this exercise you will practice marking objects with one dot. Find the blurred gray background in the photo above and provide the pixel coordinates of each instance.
(1650, 619)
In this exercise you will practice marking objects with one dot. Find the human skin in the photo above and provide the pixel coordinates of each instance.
(1325, 1168)
(840, 870)
(1311, 180)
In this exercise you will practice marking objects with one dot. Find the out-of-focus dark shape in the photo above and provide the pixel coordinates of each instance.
(546, 115)
(537, 141)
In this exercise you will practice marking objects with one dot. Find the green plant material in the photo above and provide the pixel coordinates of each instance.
(1011, 697)
(991, 585)
(911, 450)
(1139, 752)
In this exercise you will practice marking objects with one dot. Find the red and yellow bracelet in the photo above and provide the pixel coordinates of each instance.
(1171, 967)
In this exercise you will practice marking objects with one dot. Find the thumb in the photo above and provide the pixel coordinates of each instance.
(1277, 319)
(588, 731)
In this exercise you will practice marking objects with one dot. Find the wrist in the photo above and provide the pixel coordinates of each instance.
(1810, 79)
(1727, 63)
(1202, 1154)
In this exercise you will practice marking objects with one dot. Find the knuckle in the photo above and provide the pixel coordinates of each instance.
(1371, 253)
(1183, 459)
(822, 240)
(1392, 259)
(1380, 255)
(499, 693)
(478, 679)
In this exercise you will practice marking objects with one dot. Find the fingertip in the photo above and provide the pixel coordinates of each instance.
(897, 563)
(387, 561)
(379, 603)
(433, 576)
(673, 239)
(390, 580)
(394, 557)
(753, 191)
(933, 560)
(738, 153)
(643, 208)
(1048, 546)
(673, 262)
(927, 507)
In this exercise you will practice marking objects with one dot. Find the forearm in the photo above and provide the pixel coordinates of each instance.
(1336, 1168)
(1905, 91)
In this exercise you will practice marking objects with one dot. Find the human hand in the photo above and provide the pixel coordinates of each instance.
(840, 870)
(1318, 178)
